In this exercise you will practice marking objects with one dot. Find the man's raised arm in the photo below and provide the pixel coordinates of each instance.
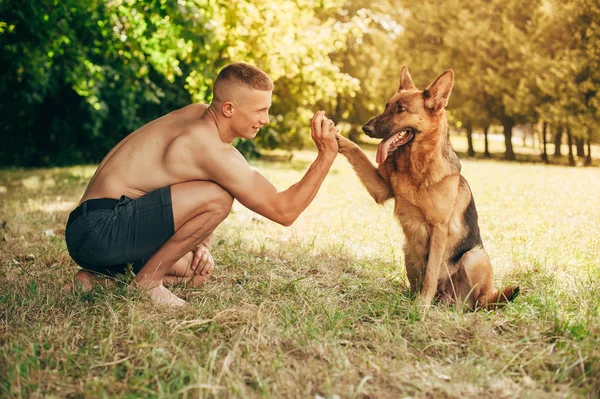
(255, 192)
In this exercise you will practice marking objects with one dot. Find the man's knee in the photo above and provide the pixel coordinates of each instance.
(221, 202)
(192, 198)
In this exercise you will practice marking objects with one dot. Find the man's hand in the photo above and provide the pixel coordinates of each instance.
(202, 262)
(323, 132)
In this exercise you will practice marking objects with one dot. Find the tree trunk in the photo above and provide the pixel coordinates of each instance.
(588, 157)
(471, 150)
(545, 152)
(570, 143)
(509, 154)
(558, 141)
(486, 152)
(580, 145)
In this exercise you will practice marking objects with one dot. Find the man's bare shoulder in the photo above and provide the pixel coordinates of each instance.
(199, 144)
(190, 111)
(206, 137)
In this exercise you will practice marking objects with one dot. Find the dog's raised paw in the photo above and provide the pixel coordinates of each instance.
(343, 143)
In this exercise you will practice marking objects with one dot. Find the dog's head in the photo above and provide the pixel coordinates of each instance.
(411, 115)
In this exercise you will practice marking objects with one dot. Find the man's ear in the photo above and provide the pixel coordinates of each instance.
(437, 94)
(406, 82)
(227, 109)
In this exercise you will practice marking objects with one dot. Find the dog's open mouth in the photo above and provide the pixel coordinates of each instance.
(392, 143)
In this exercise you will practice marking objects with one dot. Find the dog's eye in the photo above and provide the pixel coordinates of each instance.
(400, 108)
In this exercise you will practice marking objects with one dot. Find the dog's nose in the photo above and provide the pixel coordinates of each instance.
(368, 130)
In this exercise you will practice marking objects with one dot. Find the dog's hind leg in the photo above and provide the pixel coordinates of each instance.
(480, 274)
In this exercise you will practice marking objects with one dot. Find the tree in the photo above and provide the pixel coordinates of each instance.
(568, 57)
(292, 41)
(366, 57)
(486, 44)
(544, 142)
(80, 75)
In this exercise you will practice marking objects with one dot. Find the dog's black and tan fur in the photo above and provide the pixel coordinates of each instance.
(418, 167)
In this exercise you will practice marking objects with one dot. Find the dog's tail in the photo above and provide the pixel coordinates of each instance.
(500, 298)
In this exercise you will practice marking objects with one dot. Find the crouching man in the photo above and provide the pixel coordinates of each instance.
(159, 194)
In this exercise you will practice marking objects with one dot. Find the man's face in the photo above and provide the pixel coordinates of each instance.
(251, 111)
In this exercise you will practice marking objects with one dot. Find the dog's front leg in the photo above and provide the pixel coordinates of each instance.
(437, 246)
(379, 189)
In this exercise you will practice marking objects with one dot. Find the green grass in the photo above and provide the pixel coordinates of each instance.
(319, 309)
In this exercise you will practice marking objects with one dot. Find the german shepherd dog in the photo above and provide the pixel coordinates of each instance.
(418, 167)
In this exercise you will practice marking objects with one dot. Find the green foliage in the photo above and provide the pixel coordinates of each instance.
(78, 75)
(82, 74)
(291, 41)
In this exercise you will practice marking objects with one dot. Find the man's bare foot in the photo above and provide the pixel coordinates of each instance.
(162, 296)
(85, 280)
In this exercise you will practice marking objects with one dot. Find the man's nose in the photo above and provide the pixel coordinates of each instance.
(265, 120)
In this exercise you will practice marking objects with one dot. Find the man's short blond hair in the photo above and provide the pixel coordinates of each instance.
(240, 74)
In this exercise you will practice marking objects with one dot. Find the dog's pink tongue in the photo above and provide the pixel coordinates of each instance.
(382, 150)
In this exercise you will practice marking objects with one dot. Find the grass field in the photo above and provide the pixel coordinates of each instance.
(317, 310)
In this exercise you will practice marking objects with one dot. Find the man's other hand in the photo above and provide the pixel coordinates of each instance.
(202, 262)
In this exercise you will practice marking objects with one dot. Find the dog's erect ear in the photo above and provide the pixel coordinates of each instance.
(437, 94)
(406, 82)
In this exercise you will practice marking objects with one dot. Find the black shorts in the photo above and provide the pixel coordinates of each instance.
(106, 235)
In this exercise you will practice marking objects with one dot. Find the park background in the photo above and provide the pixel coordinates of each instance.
(79, 75)
(320, 309)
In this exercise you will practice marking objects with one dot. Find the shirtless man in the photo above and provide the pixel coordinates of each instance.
(157, 197)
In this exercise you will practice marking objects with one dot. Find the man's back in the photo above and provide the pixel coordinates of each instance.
(159, 154)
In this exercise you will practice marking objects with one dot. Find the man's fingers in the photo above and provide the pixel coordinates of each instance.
(207, 266)
(329, 127)
(201, 263)
(317, 121)
(323, 131)
(326, 126)
(194, 262)
(206, 263)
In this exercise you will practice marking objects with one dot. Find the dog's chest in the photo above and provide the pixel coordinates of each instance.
(418, 209)
(434, 197)
(414, 224)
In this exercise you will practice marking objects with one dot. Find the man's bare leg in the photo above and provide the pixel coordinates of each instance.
(198, 208)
